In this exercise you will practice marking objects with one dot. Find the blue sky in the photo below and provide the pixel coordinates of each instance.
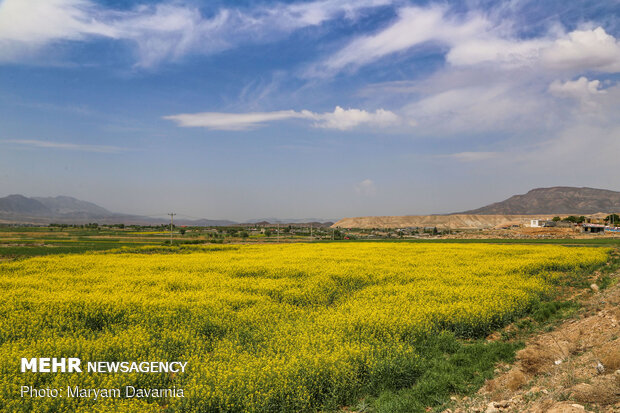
(323, 109)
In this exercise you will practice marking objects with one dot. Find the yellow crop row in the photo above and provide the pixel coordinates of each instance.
(295, 327)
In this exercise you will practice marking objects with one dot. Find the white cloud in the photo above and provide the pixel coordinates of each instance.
(561, 153)
(575, 51)
(583, 50)
(342, 119)
(414, 26)
(474, 39)
(166, 31)
(471, 156)
(232, 121)
(494, 80)
(28, 25)
(581, 89)
(366, 188)
(490, 49)
(65, 146)
(169, 32)
(461, 109)
(314, 13)
(41, 21)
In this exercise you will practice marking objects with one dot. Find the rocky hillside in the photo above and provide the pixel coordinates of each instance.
(19, 204)
(540, 203)
(18, 209)
(458, 221)
(555, 200)
(23, 209)
(69, 205)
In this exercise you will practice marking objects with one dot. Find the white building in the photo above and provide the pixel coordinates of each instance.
(537, 223)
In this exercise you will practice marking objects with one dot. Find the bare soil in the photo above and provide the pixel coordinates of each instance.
(440, 221)
(573, 368)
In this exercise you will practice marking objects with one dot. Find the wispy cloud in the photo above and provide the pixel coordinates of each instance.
(587, 49)
(414, 26)
(162, 32)
(471, 156)
(366, 187)
(65, 146)
(341, 119)
(231, 121)
(494, 79)
(475, 38)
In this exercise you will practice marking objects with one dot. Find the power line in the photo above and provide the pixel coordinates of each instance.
(172, 214)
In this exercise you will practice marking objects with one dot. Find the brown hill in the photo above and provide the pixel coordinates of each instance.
(458, 221)
(556, 200)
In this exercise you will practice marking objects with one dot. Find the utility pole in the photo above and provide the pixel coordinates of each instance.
(311, 231)
(278, 232)
(172, 214)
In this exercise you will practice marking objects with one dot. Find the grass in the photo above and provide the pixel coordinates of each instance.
(20, 242)
(605, 280)
(37, 250)
(551, 311)
(449, 366)
(23, 242)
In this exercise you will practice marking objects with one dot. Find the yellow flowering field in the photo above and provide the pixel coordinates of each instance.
(263, 328)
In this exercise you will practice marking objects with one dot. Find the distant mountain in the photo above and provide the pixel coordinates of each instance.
(68, 210)
(19, 204)
(206, 222)
(66, 205)
(272, 220)
(296, 223)
(555, 200)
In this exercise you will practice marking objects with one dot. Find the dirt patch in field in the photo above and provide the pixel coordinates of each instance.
(574, 368)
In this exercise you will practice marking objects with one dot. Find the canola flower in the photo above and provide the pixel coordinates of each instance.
(297, 327)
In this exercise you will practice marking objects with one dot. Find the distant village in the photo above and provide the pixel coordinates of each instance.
(592, 224)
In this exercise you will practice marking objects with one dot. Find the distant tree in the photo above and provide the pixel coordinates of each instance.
(268, 232)
(182, 231)
(556, 219)
(613, 218)
(244, 234)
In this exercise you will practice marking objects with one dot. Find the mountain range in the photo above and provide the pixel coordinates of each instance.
(559, 200)
(57, 206)
(554, 200)
(68, 210)
(539, 203)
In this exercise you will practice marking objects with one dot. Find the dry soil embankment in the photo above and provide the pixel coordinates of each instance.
(459, 221)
